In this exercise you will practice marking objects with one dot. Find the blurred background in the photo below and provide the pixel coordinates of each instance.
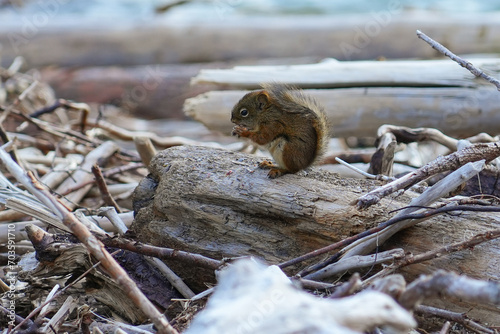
(141, 55)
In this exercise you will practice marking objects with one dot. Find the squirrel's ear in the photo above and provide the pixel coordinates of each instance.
(263, 99)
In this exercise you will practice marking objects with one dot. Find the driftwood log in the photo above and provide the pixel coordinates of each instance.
(364, 95)
(459, 112)
(220, 204)
(221, 36)
(331, 73)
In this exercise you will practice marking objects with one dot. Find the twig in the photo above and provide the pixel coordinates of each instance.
(373, 230)
(18, 100)
(443, 283)
(49, 300)
(110, 213)
(16, 65)
(462, 62)
(47, 109)
(84, 174)
(446, 328)
(5, 138)
(145, 148)
(475, 152)
(435, 253)
(95, 247)
(392, 285)
(108, 173)
(365, 174)
(356, 262)
(406, 135)
(456, 317)
(382, 161)
(160, 252)
(429, 196)
(456, 247)
(172, 277)
(348, 288)
(18, 319)
(163, 142)
(101, 183)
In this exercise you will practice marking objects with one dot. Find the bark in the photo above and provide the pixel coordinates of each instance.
(219, 204)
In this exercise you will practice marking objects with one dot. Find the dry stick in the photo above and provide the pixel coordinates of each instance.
(18, 319)
(163, 142)
(432, 254)
(171, 276)
(404, 134)
(392, 221)
(18, 100)
(160, 252)
(108, 173)
(95, 247)
(446, 328)
(84, 174)
(103, 188)
(475, 152)
(448, 284)
(356, 262)
(5, 139)
(348, 288)
(460, 318)
(14, 68)
(365, 174)
(40, 307)
(145, 148)
(462, 62)
(430, 195)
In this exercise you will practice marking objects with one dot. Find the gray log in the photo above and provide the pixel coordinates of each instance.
(389, 33)
(360, 112)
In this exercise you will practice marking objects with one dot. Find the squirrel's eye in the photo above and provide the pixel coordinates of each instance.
(244, 112)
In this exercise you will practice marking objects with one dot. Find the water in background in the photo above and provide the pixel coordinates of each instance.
(105, 12)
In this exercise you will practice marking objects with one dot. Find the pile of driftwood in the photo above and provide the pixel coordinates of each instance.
(312, 252)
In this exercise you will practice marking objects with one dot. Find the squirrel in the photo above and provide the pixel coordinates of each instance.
(286, 121)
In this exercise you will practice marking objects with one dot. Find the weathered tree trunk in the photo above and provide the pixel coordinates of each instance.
(218, 203)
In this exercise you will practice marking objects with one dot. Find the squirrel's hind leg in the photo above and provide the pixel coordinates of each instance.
(266, 164)
(275, 171)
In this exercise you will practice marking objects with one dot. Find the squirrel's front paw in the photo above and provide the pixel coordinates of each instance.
(238, 130)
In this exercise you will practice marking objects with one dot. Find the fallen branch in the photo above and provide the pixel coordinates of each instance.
(429, 196)
(450, 284)
(371, 237)
(356, 262)
(475, 152)
(392, 221)
(462, 62)
(160, 252)
(94, 246)
(460, 318)
(435, 253)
